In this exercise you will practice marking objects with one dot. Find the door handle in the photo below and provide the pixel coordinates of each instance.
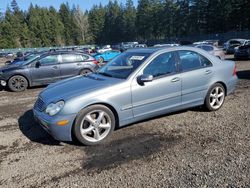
(54, 67)
(79, 64)
(175, 79)
(208, 72)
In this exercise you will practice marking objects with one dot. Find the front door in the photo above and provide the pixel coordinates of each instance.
(161, 95)
(46, 70)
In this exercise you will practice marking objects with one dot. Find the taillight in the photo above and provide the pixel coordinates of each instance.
(234, 71)
(95, 62)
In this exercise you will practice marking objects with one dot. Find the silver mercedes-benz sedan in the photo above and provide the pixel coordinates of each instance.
(136, 85)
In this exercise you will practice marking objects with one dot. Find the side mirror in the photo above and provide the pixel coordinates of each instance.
(38, 64)
(144, 78)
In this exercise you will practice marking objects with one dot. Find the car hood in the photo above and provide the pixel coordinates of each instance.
(76, 86)
(12, 65)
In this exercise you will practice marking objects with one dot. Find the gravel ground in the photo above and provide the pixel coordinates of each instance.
(191, 148)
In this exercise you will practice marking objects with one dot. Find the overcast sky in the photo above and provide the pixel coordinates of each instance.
(84, 4)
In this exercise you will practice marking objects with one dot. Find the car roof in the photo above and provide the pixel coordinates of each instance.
(152, 50)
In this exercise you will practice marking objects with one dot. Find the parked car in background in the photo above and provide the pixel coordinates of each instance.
(208, 42)
(2, 54)
(247, 42)
(128, 45)
(229, 46)
(136, 85)
(140, 46)
(10, 55)
(167, 45)
(104, 49)
(106, 56)
(25, 57)
(45, 69)
(212, 50)
(242, 52)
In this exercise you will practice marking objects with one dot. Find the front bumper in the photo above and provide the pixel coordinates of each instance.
(61, 133)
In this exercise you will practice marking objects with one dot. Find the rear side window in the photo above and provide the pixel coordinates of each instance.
(190, 60)
(72, 58)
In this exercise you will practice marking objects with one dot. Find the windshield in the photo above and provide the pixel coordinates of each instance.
(32, 58)
(123, 65)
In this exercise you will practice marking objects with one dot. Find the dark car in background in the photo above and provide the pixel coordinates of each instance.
(243, 52)
(46, 68)
(230, 45)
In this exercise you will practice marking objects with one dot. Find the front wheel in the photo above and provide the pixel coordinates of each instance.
(215, 97)
(94, 124)
(17, 83)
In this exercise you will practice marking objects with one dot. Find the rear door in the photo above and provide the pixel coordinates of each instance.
(196, 76)
(72, 64)
(47, 72)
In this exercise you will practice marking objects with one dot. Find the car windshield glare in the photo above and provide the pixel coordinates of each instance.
(123, 65)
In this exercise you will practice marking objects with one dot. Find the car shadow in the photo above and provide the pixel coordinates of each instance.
(1, 88)
(244, 75)
(116, 152)
(33, 131)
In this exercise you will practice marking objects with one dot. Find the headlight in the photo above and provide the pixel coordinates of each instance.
(52, 109)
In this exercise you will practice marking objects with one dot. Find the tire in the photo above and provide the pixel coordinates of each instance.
(85, 71)
(93, 125)
(215, 97)
(101, 60)
(18, 83)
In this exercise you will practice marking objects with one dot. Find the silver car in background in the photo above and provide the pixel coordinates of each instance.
(136, 85)
(213, 50)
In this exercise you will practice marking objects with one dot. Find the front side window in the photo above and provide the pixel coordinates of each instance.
(123, 65)
(49, 60)
(190, 60)
(162, 65)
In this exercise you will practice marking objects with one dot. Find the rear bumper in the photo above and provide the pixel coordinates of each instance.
(49, 124)
(231, 84)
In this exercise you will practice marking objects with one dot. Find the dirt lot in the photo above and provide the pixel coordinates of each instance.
(192, 148)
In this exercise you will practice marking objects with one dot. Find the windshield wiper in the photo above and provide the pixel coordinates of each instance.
(105, 74)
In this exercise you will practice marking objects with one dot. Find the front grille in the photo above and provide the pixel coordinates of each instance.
(40, 105)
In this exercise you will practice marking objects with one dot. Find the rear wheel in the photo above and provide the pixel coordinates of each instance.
(85, 71)
(17, 83)
(94, 124)
(215, 97)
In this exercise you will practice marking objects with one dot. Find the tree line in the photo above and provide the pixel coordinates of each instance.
(117, 22)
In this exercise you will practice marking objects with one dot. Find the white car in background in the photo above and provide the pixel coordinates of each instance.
(104, 49)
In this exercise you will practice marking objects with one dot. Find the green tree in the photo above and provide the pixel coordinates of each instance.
(96, 19)
(128, 22)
